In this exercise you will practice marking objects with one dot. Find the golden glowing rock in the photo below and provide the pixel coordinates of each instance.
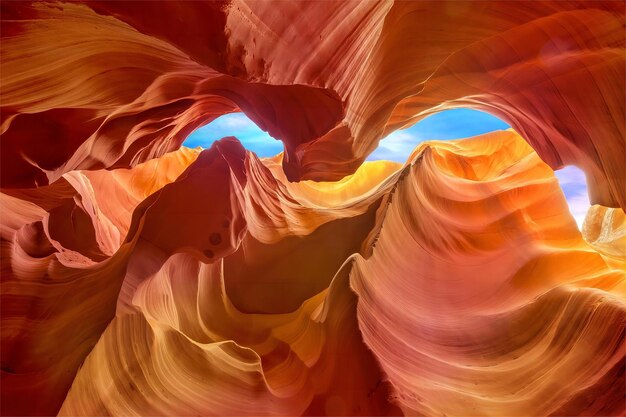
(118, 83)
(605, 230)
(142, 278)
(462, 274)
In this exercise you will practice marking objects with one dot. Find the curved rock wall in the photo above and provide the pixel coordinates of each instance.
(142, 278)
(108, 84)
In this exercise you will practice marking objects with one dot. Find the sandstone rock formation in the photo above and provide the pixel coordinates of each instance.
(140, 277)
(117, 83)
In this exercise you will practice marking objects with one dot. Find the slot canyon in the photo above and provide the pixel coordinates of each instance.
(141, 277)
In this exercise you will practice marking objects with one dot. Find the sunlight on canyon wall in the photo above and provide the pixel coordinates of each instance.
(140, 277)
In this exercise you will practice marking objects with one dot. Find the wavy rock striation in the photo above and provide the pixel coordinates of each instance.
(111, 84)
(142, 278)
(448, 285)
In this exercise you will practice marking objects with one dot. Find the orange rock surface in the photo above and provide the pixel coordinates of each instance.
(117, 83)
(140, 277)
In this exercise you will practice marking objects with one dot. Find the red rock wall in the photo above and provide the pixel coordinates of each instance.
(117, 83)
(143, 279)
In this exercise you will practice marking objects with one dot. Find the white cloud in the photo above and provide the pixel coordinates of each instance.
(570, 175)
(574, 185)
(395, 147)
(578, 206)
(236, 121)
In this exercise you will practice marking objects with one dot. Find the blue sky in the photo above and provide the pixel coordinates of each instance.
(448, 124)
(238, 125)
(445, 125)
(574, 185)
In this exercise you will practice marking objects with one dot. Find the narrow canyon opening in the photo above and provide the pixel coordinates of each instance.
(239, 125)
(362, 241)
(448, 124)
